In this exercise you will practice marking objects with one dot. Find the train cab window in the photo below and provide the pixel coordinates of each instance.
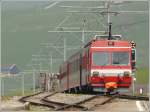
(120, 58)
(100, 58)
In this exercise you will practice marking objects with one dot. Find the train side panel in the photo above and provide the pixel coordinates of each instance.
(74, 71)
(85, 67)
(63, 83)
(63, 78)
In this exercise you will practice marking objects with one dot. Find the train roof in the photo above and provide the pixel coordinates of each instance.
(110, 43)
(105, 37)
(102, 41)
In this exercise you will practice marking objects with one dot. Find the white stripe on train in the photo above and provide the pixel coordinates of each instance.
(110, 72)
(111, 47)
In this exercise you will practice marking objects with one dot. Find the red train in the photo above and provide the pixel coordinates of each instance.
(105, 64)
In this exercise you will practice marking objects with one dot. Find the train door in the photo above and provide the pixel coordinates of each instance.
(88, 65)
(80, 69)
(84, 67)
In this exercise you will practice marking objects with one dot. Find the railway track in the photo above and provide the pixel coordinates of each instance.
(97, 101)
(44, 99)
(63, 106)
(36, 99)
(130, 97)
(41, 99)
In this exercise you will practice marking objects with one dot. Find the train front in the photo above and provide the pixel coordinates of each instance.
(112, 64)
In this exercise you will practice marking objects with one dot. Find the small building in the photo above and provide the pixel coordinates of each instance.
(9, 69)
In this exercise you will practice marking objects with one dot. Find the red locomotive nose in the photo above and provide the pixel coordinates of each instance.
(109, 85)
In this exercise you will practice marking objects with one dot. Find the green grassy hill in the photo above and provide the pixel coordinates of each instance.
(25, 26)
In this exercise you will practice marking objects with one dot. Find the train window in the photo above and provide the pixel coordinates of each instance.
(74, 66)
(70, 68)
(120, 58)
(77, 64)
(88, 56)
(100, 58)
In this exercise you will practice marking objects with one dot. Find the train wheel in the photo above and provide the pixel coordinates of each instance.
(69, 91)
(80, 88)
(72, 90)
(107, 93)
(75, 90)
(83, 89)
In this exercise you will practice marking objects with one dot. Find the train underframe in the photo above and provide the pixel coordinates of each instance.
(110, 84)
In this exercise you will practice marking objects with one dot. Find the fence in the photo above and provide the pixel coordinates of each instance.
(21, 84)
(28, 83)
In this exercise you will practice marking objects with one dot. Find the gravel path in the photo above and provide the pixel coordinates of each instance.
(68, 98)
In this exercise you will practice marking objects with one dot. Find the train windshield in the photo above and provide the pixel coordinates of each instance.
(120, 58)
(100, 58)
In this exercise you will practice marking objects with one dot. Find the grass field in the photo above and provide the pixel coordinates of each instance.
(142, 76)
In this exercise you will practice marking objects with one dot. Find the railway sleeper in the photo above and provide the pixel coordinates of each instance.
(61, 106)
(71, 106)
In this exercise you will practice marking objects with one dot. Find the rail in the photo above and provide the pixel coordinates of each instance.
(130, 97)
(63, 106)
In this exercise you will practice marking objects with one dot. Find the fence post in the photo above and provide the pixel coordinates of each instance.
(0, 92)
(22, 84)
(2, 87)
(133, 83)
(34, 81)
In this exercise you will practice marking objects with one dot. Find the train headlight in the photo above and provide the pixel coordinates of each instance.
(126, 73)
(95, 73)
(133, 44)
